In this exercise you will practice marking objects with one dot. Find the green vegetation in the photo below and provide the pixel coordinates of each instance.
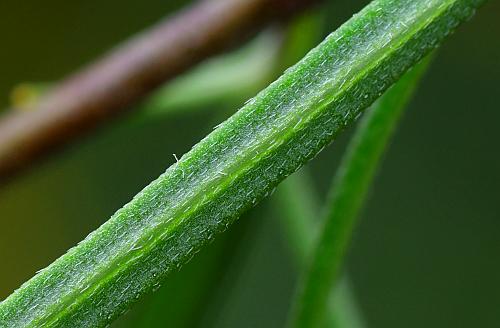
(235, 166)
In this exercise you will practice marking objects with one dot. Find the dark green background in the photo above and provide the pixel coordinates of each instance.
(426, 253)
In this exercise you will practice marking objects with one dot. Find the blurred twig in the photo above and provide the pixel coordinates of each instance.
(105, 88)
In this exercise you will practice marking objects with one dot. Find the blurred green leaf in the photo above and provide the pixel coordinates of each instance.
(298, 204)
(348, 192)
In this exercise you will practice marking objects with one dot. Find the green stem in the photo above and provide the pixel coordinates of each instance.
(183, 299)
(235, 166)
(217, 82)
(348, 192)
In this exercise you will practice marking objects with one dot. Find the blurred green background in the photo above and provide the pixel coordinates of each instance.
(424, 255)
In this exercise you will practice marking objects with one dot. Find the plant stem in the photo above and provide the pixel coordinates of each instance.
(235, 166)
(348, 192)
(217, 82)
(298, 205)
(183, 299)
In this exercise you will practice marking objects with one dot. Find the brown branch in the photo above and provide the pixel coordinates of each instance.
(105, 88)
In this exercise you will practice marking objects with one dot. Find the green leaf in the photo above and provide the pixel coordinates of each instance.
(348, 192)
(235, 166)
(298, 207)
